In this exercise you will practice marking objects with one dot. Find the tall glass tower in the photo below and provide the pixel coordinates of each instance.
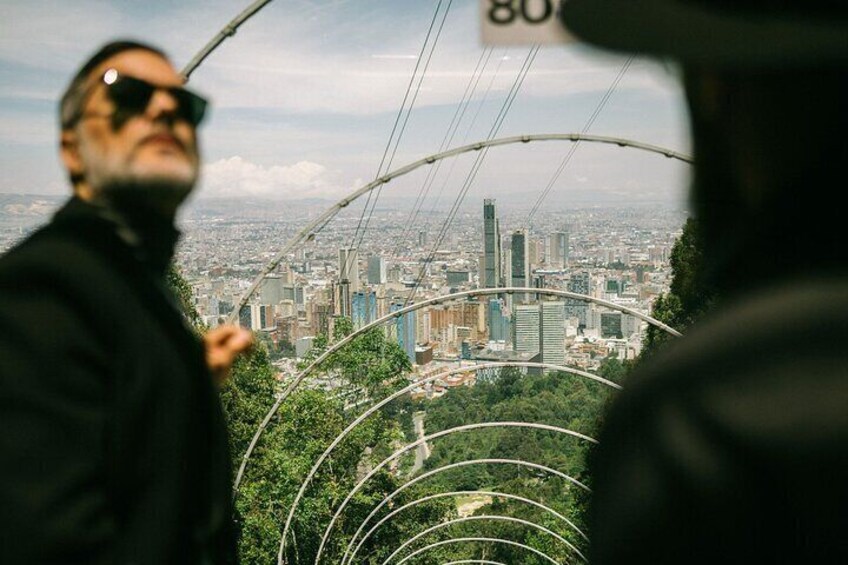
(520, 272)
(491, 246)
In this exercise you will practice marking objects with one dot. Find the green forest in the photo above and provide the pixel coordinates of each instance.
(541, 506)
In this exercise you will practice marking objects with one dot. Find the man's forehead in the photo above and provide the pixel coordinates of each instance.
(142, 64)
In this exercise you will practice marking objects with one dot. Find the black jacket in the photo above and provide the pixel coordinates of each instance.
(731, 445)
(112, 441)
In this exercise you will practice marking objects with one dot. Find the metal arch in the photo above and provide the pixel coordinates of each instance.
(307, 232)
(478, 539)
(496, 517)
(228, 30)
(413, 445)
(429, 302)
(349, 556)
(308, 479)
(438, 495)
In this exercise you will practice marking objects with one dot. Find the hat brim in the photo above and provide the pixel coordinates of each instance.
(693, 33)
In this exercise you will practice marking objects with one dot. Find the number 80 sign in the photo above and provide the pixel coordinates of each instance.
(521, 22)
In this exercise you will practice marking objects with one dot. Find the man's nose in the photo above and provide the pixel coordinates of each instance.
(162, 104)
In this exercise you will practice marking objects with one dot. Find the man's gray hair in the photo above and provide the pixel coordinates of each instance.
(71, 103)
(70, 106)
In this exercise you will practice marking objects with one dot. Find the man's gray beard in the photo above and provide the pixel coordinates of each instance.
(115, 183)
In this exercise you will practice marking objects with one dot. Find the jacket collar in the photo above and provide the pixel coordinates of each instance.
(151, 237)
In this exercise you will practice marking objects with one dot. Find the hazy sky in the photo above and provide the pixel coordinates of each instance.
(305, 95)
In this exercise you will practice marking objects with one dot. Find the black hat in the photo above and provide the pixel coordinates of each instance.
(726, 33)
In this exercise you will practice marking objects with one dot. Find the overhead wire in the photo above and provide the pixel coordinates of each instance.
(597, 112)
(464, 139)
(405, 121)
(368, 210)
(475, 168)
(453, 126)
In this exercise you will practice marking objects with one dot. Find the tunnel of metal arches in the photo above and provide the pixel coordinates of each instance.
(365, 507)
(368, 504)
(475, 488)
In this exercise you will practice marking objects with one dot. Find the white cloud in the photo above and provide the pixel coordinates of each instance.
(236, 176)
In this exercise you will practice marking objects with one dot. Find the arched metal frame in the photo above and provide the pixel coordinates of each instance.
(310, 231)
(413, 445)
(438, 495)
(228, 30)
(418, 305)
(541, 554)
(349, 556)
(494, 517)
(308, 479)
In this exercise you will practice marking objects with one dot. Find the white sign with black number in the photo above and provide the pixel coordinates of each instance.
(521, 22)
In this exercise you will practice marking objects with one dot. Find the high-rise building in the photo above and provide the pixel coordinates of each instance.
(491, 246)
(363, 308)
(611, 325)
(342, 296)
(526, 328)
(376, 270)
(319, 315)
(499, 325)
(537, 281)
(535, 252)
(558, 246)
(271, 289)
(581, 283)
(405, 331)
(520, 271)
(553, 332)
(256, 316)
(349, 268)
(244, 317)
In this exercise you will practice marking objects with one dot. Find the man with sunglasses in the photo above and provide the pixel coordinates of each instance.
(113, 445)
(731, 444)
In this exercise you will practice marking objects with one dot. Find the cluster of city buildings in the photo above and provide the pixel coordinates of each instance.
(626, 266)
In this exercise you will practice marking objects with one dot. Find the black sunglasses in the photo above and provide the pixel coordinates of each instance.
(132, 95)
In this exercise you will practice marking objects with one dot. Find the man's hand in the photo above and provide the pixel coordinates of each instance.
(223, 344)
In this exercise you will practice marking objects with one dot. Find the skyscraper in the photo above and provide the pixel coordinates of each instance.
(376, 270)
(363, 308)
(271, 289)
(553, 332)
(499, 327)
(558, 244)
(581, 284)
(520, 271)
(526, 328)
(405, 330)
(349, 268)
(491, 246)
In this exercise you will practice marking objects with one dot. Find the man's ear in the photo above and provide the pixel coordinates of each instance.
(69, 149)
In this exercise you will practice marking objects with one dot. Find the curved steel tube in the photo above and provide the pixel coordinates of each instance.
(528, 523)
(349, 556)
(228, 30)
(486, 540)
(309, 231)
(305, 484)
(413, 445)
(429, 302)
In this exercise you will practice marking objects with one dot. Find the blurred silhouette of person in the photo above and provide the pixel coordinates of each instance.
(731, 444)
(113, 445)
